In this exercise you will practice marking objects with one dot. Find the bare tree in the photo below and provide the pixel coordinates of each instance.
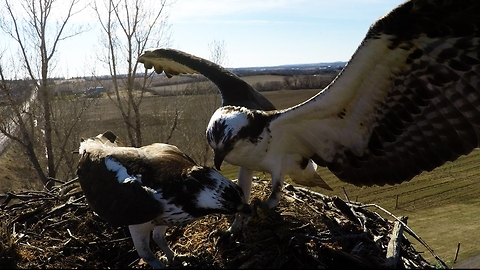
(15, 124)
(38, 34)
(198, 146)
(129, 26)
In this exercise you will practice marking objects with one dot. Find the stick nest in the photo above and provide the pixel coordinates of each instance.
(57, 229)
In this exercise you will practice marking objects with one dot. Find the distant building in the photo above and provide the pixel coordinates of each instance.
(94, 92)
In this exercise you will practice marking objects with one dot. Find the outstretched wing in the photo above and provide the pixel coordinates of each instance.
(234, 90)
(408, 100)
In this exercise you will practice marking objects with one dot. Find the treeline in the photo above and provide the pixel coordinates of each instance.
(203, 86)
(296, 82)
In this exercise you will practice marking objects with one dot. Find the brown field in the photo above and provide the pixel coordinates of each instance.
(179, 86)
(443, 206)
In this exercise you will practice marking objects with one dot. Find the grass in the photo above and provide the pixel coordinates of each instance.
(442, 206)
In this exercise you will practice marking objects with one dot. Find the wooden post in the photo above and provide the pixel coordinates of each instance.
(456, 253)
(396, 202)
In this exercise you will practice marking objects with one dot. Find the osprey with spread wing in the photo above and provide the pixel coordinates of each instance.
(407, 102)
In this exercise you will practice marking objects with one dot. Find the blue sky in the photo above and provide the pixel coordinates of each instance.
(254, 33)
(268, 33)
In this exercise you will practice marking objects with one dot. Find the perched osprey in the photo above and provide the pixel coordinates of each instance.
(151, 188)
(407, 102)
(235, 92)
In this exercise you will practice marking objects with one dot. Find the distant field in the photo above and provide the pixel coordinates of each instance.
(181, 83)
(443, 206)
(262, 78)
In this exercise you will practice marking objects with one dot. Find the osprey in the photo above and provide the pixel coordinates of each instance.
(151, 188)
(235, 92)
(407, 102)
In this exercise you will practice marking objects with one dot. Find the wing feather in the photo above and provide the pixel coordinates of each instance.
(234, 90)
(407, 101)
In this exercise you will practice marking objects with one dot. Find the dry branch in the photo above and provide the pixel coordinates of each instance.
(394, 246)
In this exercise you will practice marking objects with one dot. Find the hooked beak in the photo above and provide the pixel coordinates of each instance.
(218, 159)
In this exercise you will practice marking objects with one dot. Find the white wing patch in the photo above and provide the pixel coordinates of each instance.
(208, 198)
(122, 174)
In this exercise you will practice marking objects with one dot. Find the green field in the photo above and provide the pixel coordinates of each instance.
(443, 206)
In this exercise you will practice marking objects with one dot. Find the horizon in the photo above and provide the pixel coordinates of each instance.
(334, 64)
(255, 34)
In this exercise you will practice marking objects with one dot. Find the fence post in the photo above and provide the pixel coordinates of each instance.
(456, 253)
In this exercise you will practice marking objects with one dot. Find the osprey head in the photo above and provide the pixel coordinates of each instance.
(224, 130)
(234, 127)
(211, 192)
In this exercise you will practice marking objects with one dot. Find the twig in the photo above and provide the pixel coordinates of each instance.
(311, 192)
(303, 202)
(394, 245)
(30, 246)
(110, 241)
(332, 238)
(71, 235)
(408, 229)
(346, 195)
(69, 203)
(24, 196)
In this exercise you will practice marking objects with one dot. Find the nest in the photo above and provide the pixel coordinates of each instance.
(57, 229)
